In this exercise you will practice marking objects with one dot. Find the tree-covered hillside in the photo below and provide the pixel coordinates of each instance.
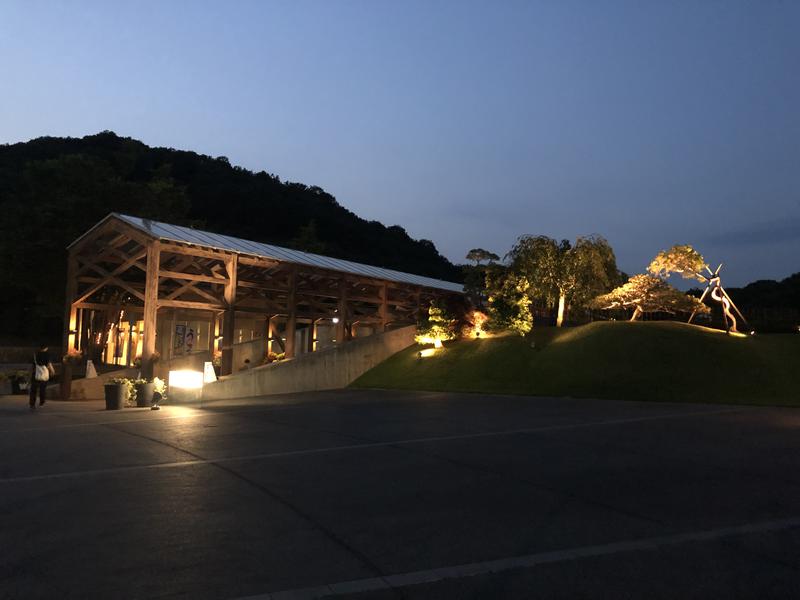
(53, 189)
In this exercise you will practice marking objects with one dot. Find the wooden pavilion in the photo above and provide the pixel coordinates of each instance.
(139, 289)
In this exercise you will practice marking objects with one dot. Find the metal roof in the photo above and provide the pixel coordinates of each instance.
(206, 239)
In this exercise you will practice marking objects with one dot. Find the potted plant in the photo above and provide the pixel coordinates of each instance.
(20, 382)
(160, 389)
(144, 392)
(216, 362)
(118, 391)
(70, 360)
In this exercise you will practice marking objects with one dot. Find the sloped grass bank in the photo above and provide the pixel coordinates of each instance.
(661, 361)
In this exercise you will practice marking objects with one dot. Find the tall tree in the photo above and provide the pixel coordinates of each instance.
(475, 275)
(563, 274)
(478, 255)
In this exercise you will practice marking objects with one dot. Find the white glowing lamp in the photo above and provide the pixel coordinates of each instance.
(186, 379)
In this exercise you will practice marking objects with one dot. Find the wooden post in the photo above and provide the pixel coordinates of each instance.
(229, 316)
(265, 336)
(312, 335)
(70, 312)
(341, 311)
(384, 310)
(268, 333)
(150, 307)
(291, 308)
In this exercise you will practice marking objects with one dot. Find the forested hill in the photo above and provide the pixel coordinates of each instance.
(53, 189)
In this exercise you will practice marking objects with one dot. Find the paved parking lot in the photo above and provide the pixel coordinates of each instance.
(377, 494)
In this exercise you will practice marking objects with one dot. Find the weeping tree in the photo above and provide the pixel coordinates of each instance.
(564, 274)
(645, 293)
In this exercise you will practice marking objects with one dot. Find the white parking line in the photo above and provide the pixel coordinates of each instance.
(522, 562)
(364, 446)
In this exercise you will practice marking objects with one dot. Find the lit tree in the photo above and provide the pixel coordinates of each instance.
(562, 273)
(509, 301)
(684, 260)
(645, 293)
(436, 328)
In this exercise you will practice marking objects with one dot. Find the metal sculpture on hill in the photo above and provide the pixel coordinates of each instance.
(690, 264)
(718, 293)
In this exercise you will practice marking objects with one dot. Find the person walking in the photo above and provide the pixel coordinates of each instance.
(42, 372)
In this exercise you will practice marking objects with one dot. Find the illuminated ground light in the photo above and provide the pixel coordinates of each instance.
(437, 342)
(185, 385)
(478, 320)
(427, 352)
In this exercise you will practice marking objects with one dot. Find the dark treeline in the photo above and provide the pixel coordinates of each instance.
(770, 305)
(53, 189)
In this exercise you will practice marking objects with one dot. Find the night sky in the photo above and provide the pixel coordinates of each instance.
(651, 123)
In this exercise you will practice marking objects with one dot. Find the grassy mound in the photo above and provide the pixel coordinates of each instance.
(637, 361)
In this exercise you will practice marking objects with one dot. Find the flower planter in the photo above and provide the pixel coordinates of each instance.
(116, 394)
(144, 394)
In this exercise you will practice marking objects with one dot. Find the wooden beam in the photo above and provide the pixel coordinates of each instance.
(312, 335)
(291, 308)
(341, 311)
(229, 318)
(192, 287)
(150, 308)
(192, 251)
(102, 306)
(70, 310)
(258, 262)
(192, 277)
(112, 277)
(384, 309)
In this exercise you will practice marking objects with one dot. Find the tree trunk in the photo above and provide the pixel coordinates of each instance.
(562, 305)
(637, 313)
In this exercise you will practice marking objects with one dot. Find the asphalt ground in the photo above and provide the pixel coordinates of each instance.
(380, 494)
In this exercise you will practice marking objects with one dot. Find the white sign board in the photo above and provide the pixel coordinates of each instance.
(91, 372)
(209, 376)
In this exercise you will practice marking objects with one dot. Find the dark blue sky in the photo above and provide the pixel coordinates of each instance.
(467, 123)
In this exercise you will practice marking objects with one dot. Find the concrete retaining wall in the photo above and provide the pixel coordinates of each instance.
(328, 369)
(192, 362)
(90, 389)
(254, 350)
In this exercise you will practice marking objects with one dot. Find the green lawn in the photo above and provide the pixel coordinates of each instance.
(620, 360)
